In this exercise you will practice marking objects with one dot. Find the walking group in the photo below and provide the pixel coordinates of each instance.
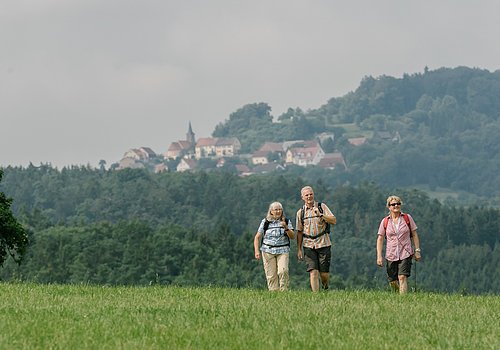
(314, 246)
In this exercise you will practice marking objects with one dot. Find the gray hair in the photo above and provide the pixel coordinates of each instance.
(306, 188)
(269, 217)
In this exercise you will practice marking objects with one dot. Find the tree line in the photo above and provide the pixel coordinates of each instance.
(134, 227)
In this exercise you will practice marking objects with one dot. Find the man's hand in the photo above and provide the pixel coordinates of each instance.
(316, 212)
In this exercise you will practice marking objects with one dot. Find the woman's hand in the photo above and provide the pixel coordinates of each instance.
(284, 224)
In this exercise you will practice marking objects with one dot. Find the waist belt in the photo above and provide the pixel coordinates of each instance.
(314, 237)
(277, 246)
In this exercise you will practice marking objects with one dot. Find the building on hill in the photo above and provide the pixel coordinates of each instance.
(260, 157)
(332, 161)
(182, 148)
(143, 153)
(178, 149)
(273, 149)
(267, 168)
(357, 141)
(148, 152)
(129, 163)
(186, 165)
(205, 147)
(227, 146)
(243, 170)
(212, 147)
(305, 153)
(287, 144)
(135, 158)
(190, 135)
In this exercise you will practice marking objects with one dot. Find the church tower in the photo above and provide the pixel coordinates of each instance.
(190, 136)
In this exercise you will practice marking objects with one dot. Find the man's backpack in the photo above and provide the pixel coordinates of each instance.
(327, 227)
(266, 226)
(405, 217)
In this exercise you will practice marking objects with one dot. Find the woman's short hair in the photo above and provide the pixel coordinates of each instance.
(393, 198)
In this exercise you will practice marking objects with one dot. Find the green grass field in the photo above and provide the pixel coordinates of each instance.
(97, 317)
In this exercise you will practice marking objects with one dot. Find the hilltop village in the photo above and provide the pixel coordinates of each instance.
(194, 154)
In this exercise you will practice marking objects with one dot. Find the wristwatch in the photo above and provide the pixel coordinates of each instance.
(417, 250)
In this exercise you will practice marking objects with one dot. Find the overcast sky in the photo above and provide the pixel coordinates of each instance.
(85, 80)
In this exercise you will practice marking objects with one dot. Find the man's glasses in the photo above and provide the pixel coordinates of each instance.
(394, 204)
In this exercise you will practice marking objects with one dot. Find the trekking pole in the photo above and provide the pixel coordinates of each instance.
(416, 263)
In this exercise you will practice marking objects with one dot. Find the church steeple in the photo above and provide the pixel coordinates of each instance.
(190, 135)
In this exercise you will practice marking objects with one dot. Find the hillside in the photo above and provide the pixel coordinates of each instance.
(431, 130)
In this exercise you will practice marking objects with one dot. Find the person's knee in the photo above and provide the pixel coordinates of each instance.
(314, 273)
(402, 278)
(283, 272)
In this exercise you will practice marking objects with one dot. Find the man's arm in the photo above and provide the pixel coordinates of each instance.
(331, 219)
(300, 254)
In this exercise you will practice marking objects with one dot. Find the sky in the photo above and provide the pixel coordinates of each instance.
(86, 80)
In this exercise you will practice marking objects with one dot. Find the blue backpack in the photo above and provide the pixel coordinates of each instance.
(266, 226)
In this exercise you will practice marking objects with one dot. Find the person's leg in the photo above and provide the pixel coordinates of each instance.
(325, 277)
(403, 284)
(313, 276)
(324, 257)
(283, 276)
(312, 260)
(392, 275)
(394, 285)
(404, 271)
(271, 270)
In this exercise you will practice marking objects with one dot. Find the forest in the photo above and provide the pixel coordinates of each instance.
(132, 227)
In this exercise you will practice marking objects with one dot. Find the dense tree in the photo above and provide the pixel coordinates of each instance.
(13, 236)
(197, 229)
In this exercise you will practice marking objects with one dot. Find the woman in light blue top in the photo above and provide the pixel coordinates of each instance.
(272, 243)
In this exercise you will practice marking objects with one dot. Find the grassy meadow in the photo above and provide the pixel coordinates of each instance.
(34, 316)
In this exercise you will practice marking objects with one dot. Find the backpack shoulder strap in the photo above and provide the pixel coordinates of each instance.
(266, 225)
(386, 222)
(407, 219)
(320, 207)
